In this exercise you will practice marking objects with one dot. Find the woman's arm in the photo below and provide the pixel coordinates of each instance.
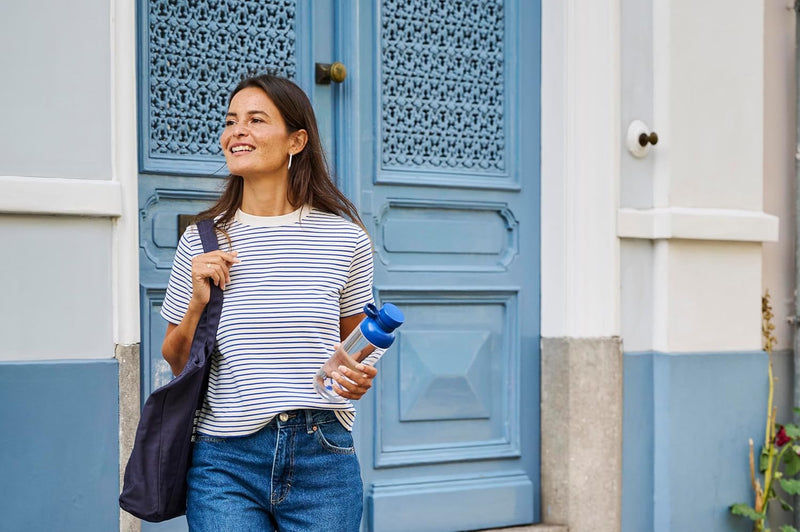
(178, 340)
(206, 268)
(346, 325)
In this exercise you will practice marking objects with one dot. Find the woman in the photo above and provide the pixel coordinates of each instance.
(270, 453)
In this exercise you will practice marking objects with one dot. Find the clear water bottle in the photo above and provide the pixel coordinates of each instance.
(366, 344)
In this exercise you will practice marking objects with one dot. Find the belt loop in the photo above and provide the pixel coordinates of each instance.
(309, 420)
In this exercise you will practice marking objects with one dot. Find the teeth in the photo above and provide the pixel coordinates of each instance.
(237, 149)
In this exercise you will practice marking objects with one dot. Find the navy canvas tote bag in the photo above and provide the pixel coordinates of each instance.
(154, 487)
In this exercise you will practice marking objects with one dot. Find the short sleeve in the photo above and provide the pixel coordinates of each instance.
(179, 289)
(358, 290)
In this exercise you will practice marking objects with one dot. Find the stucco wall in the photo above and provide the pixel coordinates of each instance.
(691, 258)
(57, 302)
(55, 158)
(691, 252)
(59, 205)
(55, 99)
(712, 93)
(779, 161)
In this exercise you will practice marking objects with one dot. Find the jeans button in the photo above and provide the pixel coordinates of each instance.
(283, 416)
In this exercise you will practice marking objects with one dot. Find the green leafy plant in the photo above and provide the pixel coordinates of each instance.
(779, 460)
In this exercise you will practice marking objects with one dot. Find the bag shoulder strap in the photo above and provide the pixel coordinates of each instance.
(208, 235)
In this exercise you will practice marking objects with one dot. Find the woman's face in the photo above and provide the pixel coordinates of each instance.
(255, 140)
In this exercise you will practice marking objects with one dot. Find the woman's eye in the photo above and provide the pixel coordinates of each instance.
(229, 123)
(256, 120)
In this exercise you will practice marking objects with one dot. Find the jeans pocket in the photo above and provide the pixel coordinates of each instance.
(333, 437)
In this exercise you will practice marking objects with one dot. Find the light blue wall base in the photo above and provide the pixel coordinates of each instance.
(637, 443)
(687, 419)
(59, 451)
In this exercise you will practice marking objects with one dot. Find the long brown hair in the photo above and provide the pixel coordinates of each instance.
(310, 180)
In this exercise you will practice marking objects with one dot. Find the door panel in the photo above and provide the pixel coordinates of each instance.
(444, 397)
(447, 125)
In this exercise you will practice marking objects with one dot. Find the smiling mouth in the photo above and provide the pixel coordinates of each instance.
(239, 149)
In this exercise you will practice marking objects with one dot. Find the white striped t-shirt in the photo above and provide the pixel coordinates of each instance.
(299, 274)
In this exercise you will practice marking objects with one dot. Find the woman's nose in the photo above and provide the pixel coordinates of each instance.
(239, 130)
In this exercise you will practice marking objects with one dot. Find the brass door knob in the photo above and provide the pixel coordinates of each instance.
(644, 139)
(327, 72)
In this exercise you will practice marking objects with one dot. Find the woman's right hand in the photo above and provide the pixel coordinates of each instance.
(214, 267)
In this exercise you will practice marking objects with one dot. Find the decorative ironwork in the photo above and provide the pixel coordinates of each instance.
(442, 84)
(197, 51)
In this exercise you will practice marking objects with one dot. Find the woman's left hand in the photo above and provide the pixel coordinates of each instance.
(354, 378)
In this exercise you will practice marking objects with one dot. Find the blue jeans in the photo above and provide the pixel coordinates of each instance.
(299, 473)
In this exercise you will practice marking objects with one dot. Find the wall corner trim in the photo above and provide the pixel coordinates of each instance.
(58, 196)
(697, 224)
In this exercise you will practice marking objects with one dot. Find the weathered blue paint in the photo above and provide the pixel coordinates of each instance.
(687, 421)
(59, 452)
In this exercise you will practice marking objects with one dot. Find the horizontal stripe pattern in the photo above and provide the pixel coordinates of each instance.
(280, 316)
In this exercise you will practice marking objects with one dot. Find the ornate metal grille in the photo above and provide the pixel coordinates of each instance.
(197, 51)
(442, 74)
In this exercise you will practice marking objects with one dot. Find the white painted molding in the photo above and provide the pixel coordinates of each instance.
(580, 180)
(124, 158)
(58, 196)
(697, 224)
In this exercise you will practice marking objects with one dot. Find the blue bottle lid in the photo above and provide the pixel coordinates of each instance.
(390, 317)
(379, 325)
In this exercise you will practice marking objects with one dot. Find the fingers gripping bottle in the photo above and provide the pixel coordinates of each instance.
(366, 344)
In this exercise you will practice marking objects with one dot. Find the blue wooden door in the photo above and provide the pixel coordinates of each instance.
(442, 121)
(434, 135)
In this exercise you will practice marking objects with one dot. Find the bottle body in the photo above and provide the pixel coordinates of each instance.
(365, 344)
(355, 346)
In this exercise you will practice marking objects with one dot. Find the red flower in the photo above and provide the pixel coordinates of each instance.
(781, 438)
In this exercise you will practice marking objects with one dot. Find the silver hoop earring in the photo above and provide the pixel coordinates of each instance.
(290, 161)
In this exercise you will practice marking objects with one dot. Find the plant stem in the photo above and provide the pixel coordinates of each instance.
(769, 473)
(769, 432)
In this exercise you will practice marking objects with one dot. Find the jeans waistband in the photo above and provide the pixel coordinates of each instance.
(309, 418)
